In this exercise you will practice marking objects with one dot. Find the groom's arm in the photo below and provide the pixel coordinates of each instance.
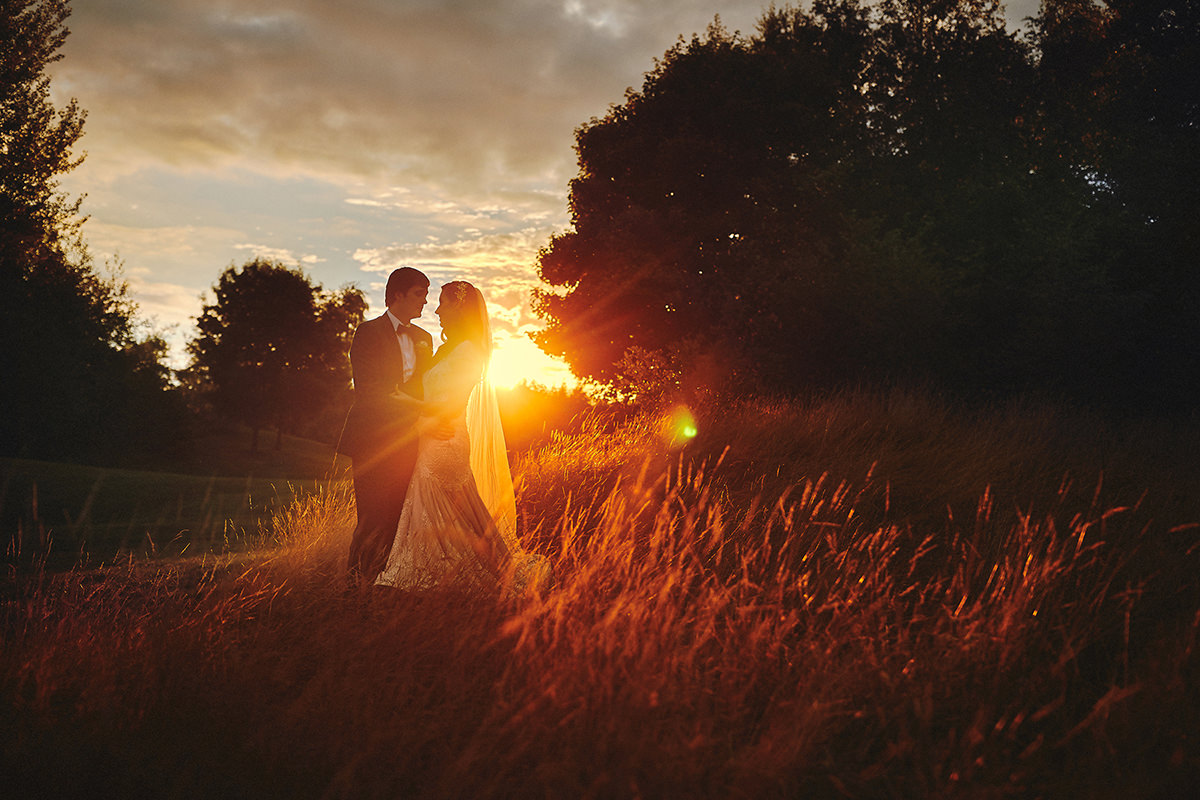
(368, 367)
(365, 368)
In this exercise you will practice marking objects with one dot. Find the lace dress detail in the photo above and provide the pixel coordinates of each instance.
(446, 536)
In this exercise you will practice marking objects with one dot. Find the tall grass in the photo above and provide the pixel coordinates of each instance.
(773, 611)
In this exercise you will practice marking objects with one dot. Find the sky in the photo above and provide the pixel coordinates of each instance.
(352, 137)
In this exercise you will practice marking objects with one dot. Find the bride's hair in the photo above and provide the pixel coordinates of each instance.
(464, 315)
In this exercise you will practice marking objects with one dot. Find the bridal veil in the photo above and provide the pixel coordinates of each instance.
(489, 456)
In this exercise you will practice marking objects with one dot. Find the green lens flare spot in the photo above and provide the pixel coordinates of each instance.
(679, 426)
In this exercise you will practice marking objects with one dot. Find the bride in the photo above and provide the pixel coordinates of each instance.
(458, 524)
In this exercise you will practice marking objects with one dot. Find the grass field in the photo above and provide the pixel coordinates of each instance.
(58, 515)
(865, 595)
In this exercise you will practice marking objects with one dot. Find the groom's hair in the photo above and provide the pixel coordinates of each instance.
(400, 281)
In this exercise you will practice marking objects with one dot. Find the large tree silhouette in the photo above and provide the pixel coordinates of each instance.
(77, 383)
(1122, 97)
(703, 208)
(271, 349)
(899, 191)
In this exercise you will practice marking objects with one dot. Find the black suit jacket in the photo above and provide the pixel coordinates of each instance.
(377, 423)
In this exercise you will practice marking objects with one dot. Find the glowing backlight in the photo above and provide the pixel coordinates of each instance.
(517, 358)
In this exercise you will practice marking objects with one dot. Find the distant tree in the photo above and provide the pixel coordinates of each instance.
(77, 383)
(271, 349)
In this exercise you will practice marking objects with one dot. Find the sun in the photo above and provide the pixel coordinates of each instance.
(517, 358)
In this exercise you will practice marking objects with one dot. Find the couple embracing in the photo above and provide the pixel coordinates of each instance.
(432, 487)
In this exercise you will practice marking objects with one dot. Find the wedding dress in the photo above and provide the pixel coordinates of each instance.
(458, 525)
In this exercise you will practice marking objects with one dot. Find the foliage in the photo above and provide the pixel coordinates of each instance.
(714, 630)
(78, 380)
(906, 191)
(37, 138)
(1122, 104)
(271, 349)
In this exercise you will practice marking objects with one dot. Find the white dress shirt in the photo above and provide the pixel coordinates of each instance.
(407, 346)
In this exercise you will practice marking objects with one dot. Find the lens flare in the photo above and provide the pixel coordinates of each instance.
(679, 426)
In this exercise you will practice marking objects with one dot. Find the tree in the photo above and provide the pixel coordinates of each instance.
(271, 349)
(1122, 95)
(77, 382)
(955, 101)
(892, 192)
(706, 213)
(37, 140)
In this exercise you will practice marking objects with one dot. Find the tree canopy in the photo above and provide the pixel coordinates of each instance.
(78, 383)
(899, 191)
(271, 349)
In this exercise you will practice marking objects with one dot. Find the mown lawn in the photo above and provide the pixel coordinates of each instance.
(55, 515)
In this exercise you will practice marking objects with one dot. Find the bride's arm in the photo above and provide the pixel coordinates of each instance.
(465, 367)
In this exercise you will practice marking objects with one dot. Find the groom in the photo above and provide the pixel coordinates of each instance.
(388, 353)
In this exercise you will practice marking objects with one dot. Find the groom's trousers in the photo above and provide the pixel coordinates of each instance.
(380, 484)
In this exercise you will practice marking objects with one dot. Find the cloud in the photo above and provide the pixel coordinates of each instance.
(501, 265)
(165, 305)
(469, 258)
(164, 250)
(473, 97)
(286, 256)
